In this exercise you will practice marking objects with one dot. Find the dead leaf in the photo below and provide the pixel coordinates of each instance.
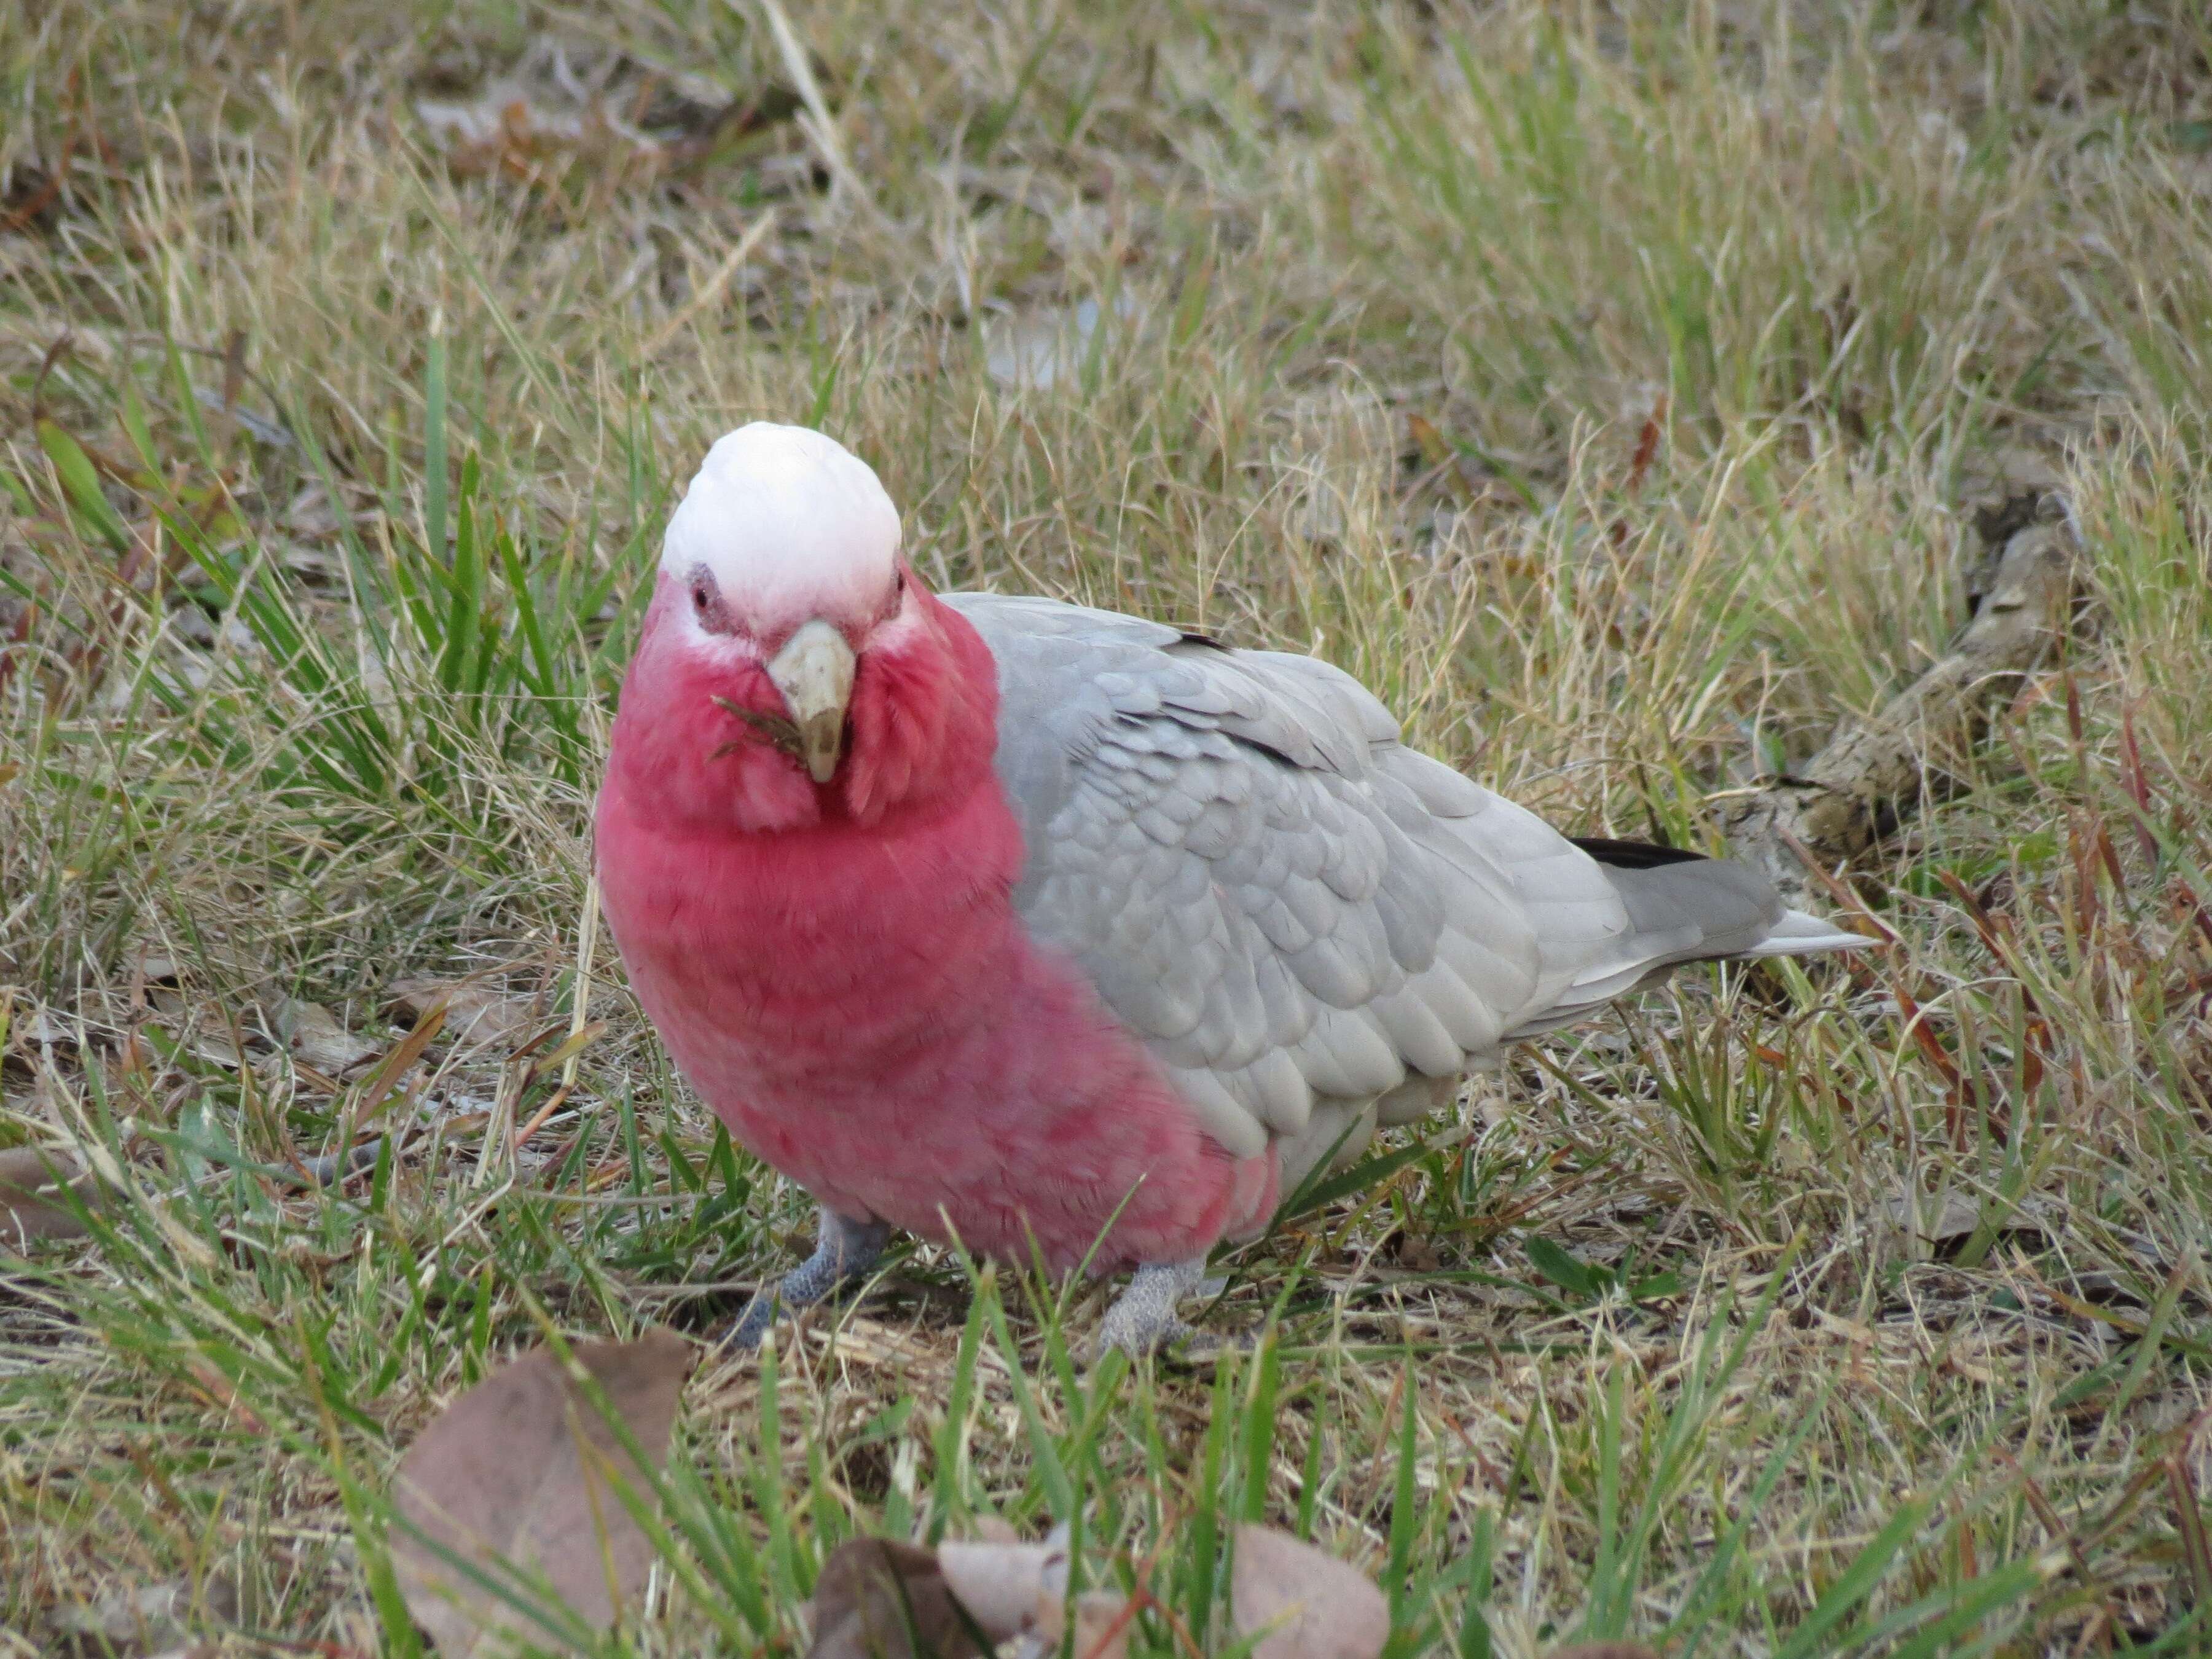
(125, 1621)
(1311, 1605)
(1955, 1217)
(477, 1014)
(40, 1027)
(313, 1034)
(1102, 1625)
(1102, 1622)
(1012, 1588)
(998, 1584)
(1435, 451)
(30, 1203)
(1037, 351)
(880, 1599)
(150, 964)
(520, 1468)
(573, 100)
(146, 1619)
(395, 1066)
(204, 1031)
(1419, 1255)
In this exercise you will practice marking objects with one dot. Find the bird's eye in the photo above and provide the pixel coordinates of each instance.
(699, 598)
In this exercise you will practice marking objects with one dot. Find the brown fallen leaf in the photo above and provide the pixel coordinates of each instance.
(313, 1034)
(518, 1469)
(880, 1599)
(31, 1178)
(1311, 1605)
(1040, 349)
(1102, 1625)
(477, 1015)
(1012, 1588)
(147, 963)
(1955, 1217)
(204, 1030)
(141, 1619)
(37, 1027)
(567, 101)
(376, 1088)
(1000, 1583)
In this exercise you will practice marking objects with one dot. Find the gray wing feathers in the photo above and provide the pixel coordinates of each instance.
(1289, 905)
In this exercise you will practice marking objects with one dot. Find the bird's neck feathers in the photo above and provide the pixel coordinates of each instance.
(758, 912)
(923, 722)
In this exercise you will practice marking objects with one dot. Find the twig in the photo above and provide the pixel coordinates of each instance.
(587, 943)
(711, 290)
(553, 1103)
(2188, 1519)
(781, 734)
(819, 124)
(1875, 771)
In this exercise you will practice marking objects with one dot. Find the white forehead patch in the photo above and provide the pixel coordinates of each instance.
(789, 523)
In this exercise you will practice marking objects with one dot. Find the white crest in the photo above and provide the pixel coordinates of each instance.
(790, 524)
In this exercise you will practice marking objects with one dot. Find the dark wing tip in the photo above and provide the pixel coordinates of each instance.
(1635, 854)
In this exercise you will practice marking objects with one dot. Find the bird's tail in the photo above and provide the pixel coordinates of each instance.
(1798, 934)
(1684, 906)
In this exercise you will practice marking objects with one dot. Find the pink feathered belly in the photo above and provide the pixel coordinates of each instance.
(871, 1019)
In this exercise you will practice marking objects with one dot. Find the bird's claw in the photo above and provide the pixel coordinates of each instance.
(1143, 1320)
(750, 1327)
(844, 1251)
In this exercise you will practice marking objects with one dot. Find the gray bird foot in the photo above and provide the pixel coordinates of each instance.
(1143, 1319)
(844, 1250)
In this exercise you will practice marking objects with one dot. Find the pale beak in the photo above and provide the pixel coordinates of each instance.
(814, 671)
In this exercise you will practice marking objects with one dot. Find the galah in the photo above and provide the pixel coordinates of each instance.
(1049, 929)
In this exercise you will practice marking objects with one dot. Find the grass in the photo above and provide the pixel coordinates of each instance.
(1611, 390)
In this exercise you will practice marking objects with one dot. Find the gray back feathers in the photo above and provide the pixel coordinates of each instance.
(1299, 914)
